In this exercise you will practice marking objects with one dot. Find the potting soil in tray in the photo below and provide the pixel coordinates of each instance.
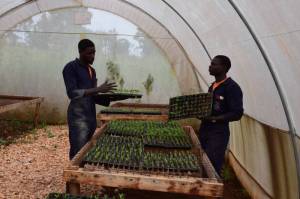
(116, 151)
(68, 196)
(190, 106)
(181, 161)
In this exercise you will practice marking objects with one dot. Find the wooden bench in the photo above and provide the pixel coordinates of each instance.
(104, 117)
(208, 185)
(8, 102)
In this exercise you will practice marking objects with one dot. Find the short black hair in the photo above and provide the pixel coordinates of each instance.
(85, 43)
(224, 61)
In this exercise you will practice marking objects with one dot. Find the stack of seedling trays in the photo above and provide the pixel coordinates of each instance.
(190, 106)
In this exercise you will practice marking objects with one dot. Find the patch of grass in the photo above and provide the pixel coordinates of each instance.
(11, 130)
(3, 142)
(49, 133)
(233, 188)
(122, 196)
(16, 123)
(42, 124)
(227, 173)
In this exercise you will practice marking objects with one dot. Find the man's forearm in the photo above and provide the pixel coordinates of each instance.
(91, 91)
(228, 117)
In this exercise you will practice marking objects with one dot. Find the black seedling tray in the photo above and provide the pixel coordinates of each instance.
(168, 142)
(171, 162)
(116, 151)
(190, 106)
(126, 128)
(116, 95)
(155, 134)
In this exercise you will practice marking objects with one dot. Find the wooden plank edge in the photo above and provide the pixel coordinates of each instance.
(9, 107)
(75, 162)
(208, 167)
(18, 97)
(185, 185)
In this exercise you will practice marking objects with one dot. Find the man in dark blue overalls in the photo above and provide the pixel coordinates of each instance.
(81, 85)
(227, 107)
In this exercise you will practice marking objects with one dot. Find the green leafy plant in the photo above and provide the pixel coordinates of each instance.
(113, 73)
(148, 84)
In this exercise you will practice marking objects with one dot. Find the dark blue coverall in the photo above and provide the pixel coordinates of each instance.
(214, 136)
(81, 111)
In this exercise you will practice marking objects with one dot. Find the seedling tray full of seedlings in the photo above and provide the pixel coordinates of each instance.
(116, 151)
(129, 153)
(171, 161)
(153, 134)
(126, 128)
(190, 106)
(134, 111)
(128, 93)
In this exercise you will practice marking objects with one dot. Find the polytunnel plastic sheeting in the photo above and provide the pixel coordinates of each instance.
(182, 67)
(223, 32)
(277, 27)
(50, 50)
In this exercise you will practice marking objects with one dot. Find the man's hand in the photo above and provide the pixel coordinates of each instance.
(106, 87)
(212, 119)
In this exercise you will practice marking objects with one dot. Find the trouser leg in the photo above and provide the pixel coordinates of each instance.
(215, 148)
(79, 134)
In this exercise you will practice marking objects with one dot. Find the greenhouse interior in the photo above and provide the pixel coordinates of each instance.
(153, 83)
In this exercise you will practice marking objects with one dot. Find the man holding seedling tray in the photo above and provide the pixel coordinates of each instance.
(81, 86)
(227, 107)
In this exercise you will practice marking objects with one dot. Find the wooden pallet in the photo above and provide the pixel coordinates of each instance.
(104, 117)
(210, 186)
(8, 103)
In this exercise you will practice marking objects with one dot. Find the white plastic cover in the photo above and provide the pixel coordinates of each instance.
(222, 31)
